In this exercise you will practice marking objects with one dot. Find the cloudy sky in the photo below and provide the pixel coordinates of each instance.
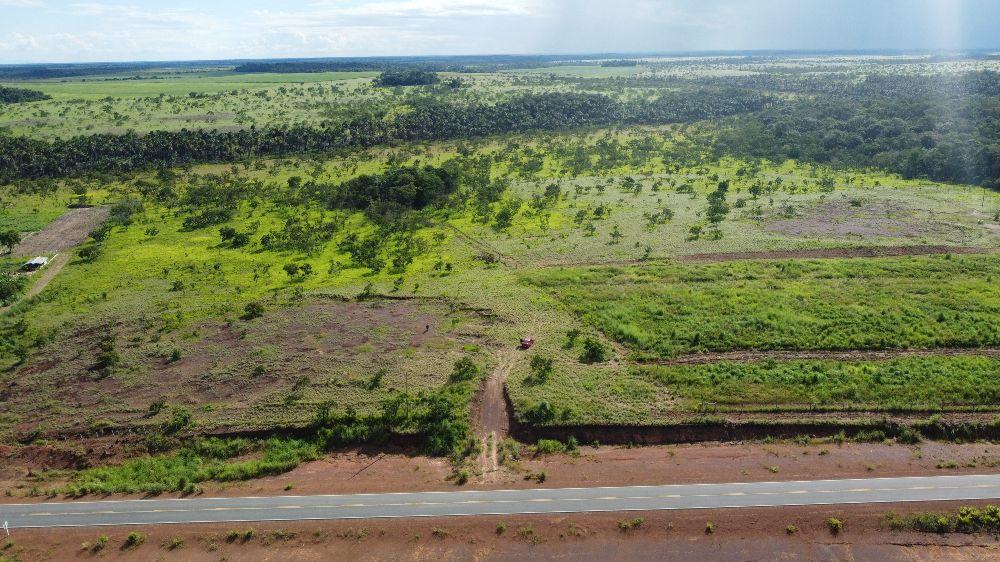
(69, 31)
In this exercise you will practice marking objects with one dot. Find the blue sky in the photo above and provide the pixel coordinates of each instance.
(69, 31)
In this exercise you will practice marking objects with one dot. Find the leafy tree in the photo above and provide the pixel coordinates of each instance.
(9, 239)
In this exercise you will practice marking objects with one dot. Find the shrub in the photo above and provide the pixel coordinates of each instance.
(134, 540)
(253, 310)
(909, 436)
(626, 525)
(549, 447)
(179, 419)
(593, 351)
(709, 528)
(541, 370)
(791, 529)
(835, 525)
(174, 543)
(465, 369)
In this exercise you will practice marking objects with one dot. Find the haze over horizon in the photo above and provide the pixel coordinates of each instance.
(33, 31)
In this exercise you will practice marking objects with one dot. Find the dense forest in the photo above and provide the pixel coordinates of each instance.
(19, 95)
(940, 129)
(22, 157)
(413, 77)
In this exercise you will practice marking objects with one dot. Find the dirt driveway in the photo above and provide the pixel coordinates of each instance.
(64, 233)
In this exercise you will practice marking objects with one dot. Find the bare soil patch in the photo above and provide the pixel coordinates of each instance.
(862, 218)
(261, 374)
(66, 232)
(831, 253)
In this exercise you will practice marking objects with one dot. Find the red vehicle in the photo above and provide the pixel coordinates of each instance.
(526, 343)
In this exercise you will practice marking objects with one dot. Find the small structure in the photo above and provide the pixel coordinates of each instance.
(526, 343)
(35, 263)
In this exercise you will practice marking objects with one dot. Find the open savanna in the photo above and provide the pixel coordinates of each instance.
(361, 289)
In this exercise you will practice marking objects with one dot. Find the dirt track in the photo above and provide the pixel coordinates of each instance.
(814, 253)
(492, 419)
(64, 233)
(867, 252)
(849, 355)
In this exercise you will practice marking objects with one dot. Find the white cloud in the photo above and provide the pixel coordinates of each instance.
(433, 8)
(22, 3)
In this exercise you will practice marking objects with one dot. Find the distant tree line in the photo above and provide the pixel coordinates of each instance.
(457, 63)
(944, 130)
(24, 158)
(19, 95)
(617, 63)
(411, 77)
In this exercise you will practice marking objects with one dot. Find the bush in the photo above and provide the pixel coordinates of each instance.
(10, 286)
(549, 447)
(966, 520)
(541, 370)
(593, 351)
(179, 419)
(174, 543)
(253, 310)
(835, 525)
(626, 525)
(134, 540)
(465, 369)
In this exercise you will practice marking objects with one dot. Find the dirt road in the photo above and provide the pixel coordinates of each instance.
(491, 414)
(64, 233)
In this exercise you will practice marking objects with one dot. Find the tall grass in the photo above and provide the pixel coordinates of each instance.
(665, 311)
(899, 384)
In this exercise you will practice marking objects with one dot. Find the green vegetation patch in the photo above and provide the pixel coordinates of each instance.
(965, 520)
(199, 462)
(900, 384)
(663, 311)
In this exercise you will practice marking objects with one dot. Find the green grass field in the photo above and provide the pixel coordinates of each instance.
(661, 311)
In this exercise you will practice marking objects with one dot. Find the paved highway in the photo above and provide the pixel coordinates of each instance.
(500, 502)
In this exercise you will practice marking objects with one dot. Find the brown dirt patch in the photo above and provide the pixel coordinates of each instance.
(830, 253)
(740, 534)
(266, 373)
(66, 232)
(861, 218)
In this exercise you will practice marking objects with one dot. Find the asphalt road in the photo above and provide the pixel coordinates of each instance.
(500, 502)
